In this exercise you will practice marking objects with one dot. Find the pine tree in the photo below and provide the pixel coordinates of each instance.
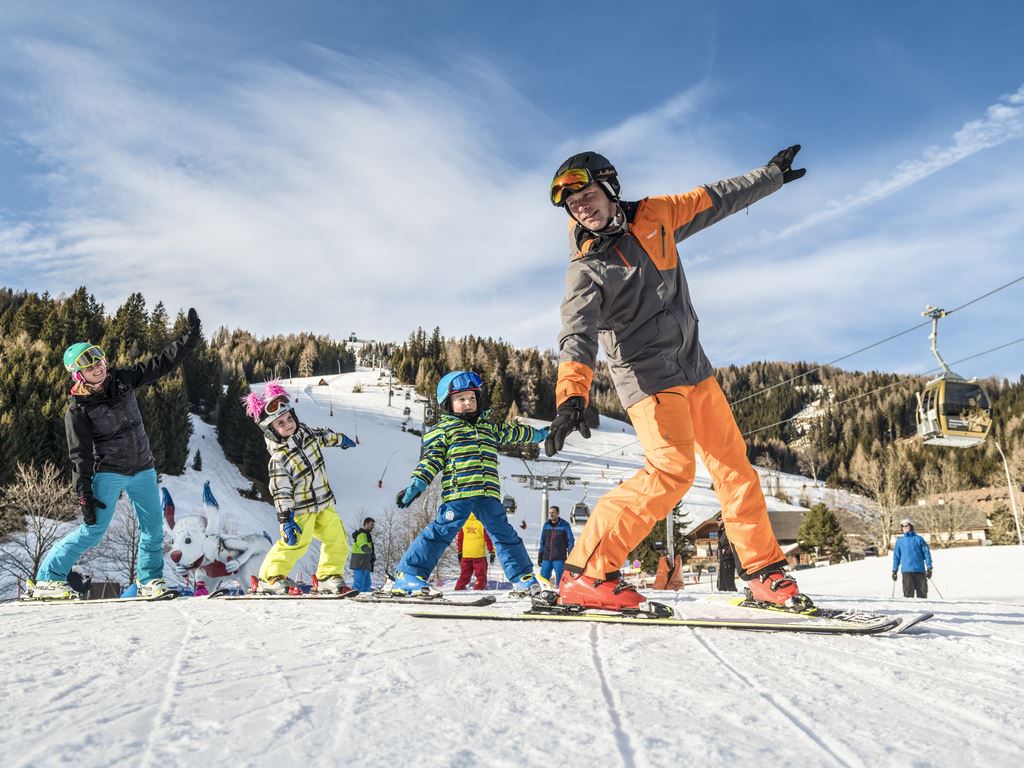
(127, 337)
(820, 532)
(203, 374)
(197, 462)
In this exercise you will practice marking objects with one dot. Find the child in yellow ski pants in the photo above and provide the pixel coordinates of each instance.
(326, 527)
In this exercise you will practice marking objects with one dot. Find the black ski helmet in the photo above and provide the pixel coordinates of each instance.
(601, 170)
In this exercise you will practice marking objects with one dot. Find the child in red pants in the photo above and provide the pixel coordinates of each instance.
(473, 543)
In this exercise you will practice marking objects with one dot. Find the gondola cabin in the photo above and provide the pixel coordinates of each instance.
(953, 412)
(580, 513)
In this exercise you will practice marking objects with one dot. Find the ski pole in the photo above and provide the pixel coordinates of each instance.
(893, 597)
(932, 582)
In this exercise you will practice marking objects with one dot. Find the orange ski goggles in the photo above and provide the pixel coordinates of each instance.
(565, 184)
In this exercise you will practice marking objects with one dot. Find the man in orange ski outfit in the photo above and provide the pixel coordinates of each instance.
(626, 288)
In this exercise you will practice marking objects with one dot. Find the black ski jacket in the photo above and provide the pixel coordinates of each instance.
(105, 430)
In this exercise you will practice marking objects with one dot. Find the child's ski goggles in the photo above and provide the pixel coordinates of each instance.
(89, 357)
(573, 180)
(465, 381)
(277, 405)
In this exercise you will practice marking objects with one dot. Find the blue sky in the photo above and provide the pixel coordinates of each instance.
(337, 166)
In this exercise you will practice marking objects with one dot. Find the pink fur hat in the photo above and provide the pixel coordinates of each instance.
(256, 405)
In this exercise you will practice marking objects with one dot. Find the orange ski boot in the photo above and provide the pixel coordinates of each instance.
(779, 588)
(609, 595)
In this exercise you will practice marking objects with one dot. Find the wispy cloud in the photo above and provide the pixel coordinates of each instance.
(1003, 122)
(286, 199)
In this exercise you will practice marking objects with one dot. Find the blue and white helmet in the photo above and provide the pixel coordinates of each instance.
(459, 381)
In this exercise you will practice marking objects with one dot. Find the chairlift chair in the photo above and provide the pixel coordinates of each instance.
(509, 504)
(952, 410)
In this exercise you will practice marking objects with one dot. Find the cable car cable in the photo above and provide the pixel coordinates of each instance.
(871, 346)
(888, 386)
(844, 357)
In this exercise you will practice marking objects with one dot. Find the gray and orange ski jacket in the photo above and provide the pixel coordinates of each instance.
(628, 291)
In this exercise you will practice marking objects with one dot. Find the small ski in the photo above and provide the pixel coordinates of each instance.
(384, 597)
(797, 623)
(168, 595)
(224, 595)
(912, 620)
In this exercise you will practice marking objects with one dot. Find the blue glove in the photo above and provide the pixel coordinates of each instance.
(540, 435)
(289, 530)
(416, 487)
(347, 442)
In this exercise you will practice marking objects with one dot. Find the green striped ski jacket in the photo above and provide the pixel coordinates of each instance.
(467, 455)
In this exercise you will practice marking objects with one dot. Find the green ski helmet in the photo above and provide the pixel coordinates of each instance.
(82, 355)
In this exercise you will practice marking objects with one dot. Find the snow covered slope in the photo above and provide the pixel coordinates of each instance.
(335, 683)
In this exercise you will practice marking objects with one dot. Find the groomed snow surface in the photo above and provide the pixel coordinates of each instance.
(331, 683)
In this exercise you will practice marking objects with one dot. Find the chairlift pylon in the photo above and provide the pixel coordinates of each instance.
(951, 411)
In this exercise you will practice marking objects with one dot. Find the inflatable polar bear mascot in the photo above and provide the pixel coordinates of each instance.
(214, 560)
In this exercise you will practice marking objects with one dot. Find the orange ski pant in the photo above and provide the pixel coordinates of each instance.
(670, 425)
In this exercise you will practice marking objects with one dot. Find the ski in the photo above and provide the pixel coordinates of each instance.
(796, 623)
(846, 615)
(168, 595)
(385, 597)
(912, 620)
(224, 595)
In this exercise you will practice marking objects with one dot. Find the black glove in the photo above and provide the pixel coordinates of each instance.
(894, 575)
(568, 417)
(540, 560)
(195, 329)
(88, 505)
(783, 160)
(460, 556)
(928, 573)
(491, 559)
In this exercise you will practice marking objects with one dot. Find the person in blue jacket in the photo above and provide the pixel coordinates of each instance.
(912, 554)
(556, 541)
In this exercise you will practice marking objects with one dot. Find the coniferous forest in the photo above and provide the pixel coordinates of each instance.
(848, 419)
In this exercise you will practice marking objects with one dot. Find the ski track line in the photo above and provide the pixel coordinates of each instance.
(173, 675)
(960, 633)
(929, 701)
(622, 740)
(795, 720)
(1010, 692)
(345, 697)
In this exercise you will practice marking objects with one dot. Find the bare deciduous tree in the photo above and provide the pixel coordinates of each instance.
(811, 460)
(884, 476)
(397, 528)
(36, 509)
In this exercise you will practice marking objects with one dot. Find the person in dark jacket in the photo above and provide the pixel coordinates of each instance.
(110, 454)
(556, 541)
(363, 558)
(913, 555)
(726, 561)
